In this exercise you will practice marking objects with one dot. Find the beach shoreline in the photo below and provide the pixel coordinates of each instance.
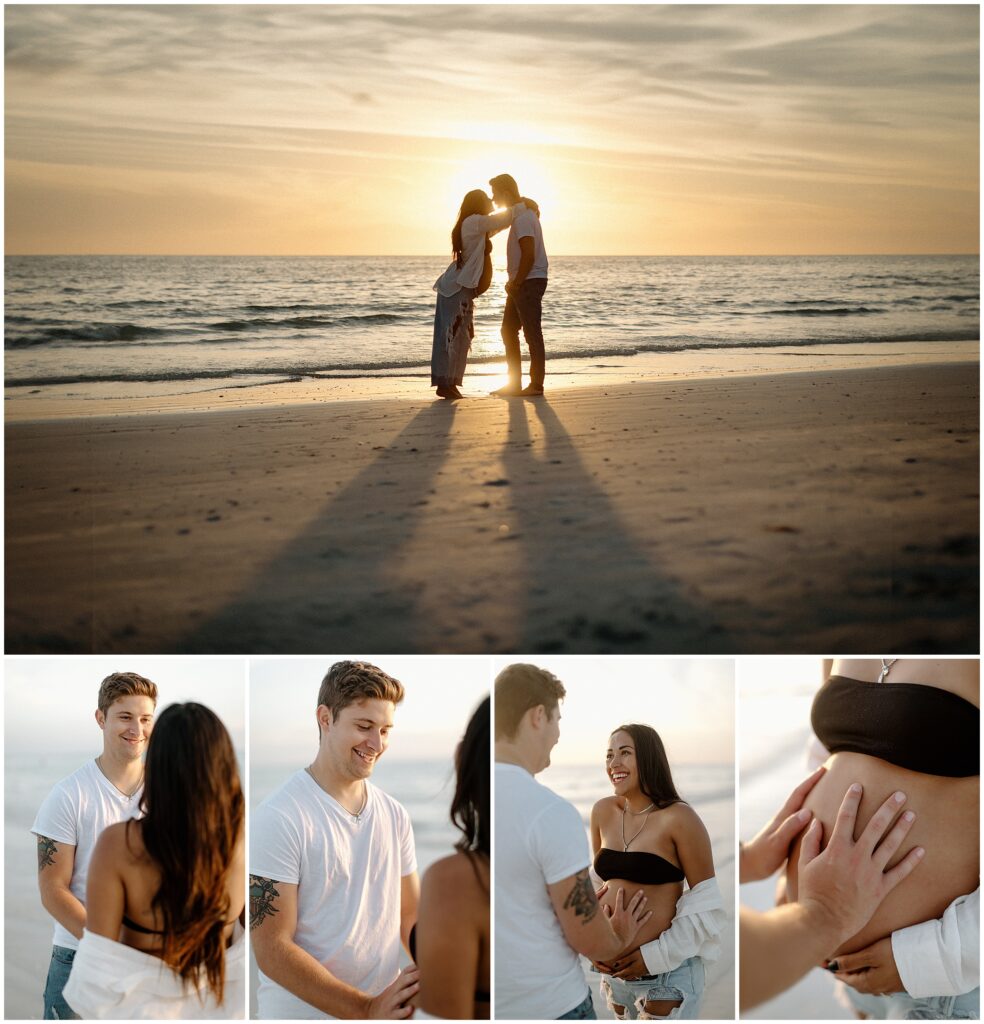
(787, 511)
(72, 401)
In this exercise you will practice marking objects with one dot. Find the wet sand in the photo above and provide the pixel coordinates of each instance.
(828, 510)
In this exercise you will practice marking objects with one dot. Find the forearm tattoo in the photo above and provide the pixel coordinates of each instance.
(46, 852)
(581, 899)
(261, 896)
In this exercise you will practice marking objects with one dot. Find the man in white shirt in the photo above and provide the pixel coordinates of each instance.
(546, 911)
(102, 792)
(526, 265)
(333, 875)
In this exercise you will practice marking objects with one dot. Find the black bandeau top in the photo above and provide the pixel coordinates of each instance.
(643, 868)
(921, 728)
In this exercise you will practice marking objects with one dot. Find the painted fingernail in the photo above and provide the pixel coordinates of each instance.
(920, 852)
(899, 797)
(804, 814)
(833, 965)
(856, 788)
(908, 816)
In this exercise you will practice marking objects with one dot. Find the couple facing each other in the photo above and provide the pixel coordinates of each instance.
(470, 275)
(334, 892)
(142, 865)
(652, 936)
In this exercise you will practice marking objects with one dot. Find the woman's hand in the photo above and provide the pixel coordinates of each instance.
(628, 966)
(767, 852)
(871, 970)
(627, 920)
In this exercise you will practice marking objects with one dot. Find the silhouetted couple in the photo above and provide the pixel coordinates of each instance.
(470, 275)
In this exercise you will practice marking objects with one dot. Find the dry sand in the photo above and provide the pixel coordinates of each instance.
(830, 510)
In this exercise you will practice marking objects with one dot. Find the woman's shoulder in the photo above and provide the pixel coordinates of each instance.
(683, 817)
(604, 807)
(458, 869)
(124, 839)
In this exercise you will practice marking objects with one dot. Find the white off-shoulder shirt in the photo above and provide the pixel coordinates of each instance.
(473, 232)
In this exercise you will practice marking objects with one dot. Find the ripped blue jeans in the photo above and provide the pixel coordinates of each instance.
(902, 1006)
(631, 1000)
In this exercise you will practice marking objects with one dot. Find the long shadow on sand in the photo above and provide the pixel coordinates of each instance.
(332, 588)
(614, 596)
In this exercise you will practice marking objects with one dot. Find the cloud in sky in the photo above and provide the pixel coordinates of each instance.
(845, 123)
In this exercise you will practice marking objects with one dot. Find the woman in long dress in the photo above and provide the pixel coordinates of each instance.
(166, 893)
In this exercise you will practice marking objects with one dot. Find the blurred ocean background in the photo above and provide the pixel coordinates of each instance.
(174, 324)
(710, 790)
(423, 787)
(28, 778)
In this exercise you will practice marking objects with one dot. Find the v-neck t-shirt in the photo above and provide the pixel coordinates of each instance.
(348, 875)
(74, 813)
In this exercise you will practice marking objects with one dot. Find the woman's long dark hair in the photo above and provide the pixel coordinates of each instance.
(470, 806)
(655, 778)
(193, 819)
(475, 201)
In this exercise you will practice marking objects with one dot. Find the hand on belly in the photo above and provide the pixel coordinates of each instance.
(943, 808)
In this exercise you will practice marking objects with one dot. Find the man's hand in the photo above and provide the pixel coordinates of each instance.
(842, 887)
(530, 204)
(871, 970)
(626, 921)
(767, 852)
(393, 1003)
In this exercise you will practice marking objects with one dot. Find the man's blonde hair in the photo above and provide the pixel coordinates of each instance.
(521, 687)
(348, 682)
(124, 684)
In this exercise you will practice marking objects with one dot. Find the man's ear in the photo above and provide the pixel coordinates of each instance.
(100, 718)
(324, 717)
(538, 716)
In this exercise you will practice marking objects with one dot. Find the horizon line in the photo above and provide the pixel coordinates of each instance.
(405, 255)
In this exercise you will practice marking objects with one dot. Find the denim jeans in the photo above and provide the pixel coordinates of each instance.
(684, 984)
(902, 1006)
(55, 1007)
(583, 1011)
(525, 309)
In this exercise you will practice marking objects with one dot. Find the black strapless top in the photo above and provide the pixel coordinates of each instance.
(921, 728)
(643, 868)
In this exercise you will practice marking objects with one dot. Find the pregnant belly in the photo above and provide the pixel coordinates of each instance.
(946, 826)
(660, 899)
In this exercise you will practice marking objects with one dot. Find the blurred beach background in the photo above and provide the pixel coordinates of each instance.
(690, 703)
(49, 732)
(417, 769)
(775, 695)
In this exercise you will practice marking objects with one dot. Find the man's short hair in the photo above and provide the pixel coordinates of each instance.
(124, 684)
(521, 687)
(350, 681)
(506, 182)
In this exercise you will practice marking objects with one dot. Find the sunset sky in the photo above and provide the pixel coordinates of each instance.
(357, 129)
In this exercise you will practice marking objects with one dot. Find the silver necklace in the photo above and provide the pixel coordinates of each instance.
(356, 816)
(887, 664)
(128, 796)
(627, 843)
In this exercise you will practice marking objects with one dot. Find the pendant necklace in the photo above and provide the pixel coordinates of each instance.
(887, 664)
(647, 811)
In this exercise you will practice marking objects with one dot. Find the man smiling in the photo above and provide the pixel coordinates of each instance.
(333, 875)
(102, 792)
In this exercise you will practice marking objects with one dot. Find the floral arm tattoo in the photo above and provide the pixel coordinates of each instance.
(261, 896)
(46, 852)
(581, 899)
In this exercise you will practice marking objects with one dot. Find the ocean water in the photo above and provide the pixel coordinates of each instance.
(197, 323)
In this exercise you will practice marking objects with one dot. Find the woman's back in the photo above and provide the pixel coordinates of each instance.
(452, 939)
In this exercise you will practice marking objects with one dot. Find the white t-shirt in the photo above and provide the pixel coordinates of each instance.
(526, 225)
(539, 839)
(473, 232)
(74, 813)
(348, 877)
